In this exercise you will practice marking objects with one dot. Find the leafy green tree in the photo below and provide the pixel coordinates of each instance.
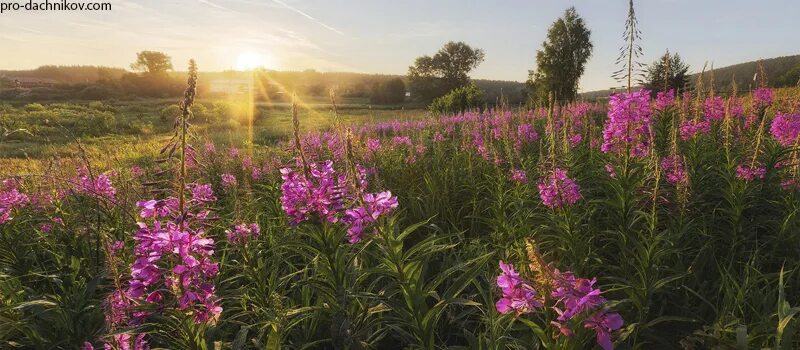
(562, 59)
(790, 78)
(458, 100)
(388, 92)
(152, 62)
(668, 72)
(431, 77)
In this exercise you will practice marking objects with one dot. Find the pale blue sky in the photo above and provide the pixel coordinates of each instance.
(383, 36)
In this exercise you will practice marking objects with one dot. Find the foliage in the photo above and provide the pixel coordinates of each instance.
(688, 253)
(448, 69)
(790, 78)
(562, 59)
(152, 62)
(668, 73)
(388, 92)
(459, 100)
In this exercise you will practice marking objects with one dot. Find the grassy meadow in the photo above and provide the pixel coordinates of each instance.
(123, 133)
(643, 223)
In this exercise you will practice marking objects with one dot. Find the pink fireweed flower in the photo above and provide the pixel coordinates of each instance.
(136, 171)
(519, 176)
(10, 199)
(763, 97)
(691, 128)
(748, 173)
(247, 162)
(665, 99)
(628, 124)
(517, 295)
(322, 194)
(527, 133)
(242, 233)
(228, 181)
(158, 208)
(558, 190)
(99, 187)
(256, 174)
(116, 247)
(210, 148)
(361, 218)
(673, 166)
(785, 128)
(576, 295)
(401, 141)
(575, 140)
(714, 108)
(233, 152)
(203, 193)
(603, 323)
(373, 145)
(610, 170)
(46, 227)
(790, 184)
(438, 137)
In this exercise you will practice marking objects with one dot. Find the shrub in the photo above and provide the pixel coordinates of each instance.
(458, 100)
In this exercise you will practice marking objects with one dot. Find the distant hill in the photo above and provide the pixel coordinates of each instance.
(780, 71)
(307, 82)
(67, 74)
(775, 69)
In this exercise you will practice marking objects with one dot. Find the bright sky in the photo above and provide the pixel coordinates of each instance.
(384, 36)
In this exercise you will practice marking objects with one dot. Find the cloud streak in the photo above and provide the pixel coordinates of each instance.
(209, 3)
(298, 11)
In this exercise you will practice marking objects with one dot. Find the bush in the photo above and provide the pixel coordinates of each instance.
(170, 112)
(388, 92)
(458, 100)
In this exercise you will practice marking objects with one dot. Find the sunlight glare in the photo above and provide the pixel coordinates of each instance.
(251, 60)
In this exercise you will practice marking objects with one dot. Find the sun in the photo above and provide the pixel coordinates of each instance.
(250, 60)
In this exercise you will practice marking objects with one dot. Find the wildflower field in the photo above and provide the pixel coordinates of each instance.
(647, 222)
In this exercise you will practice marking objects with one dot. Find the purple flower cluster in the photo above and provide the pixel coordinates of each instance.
(228, 181)
(99, 186)
(172, 267)
(518, 296)
(785, 128)
(11, 198)
(360, 218)
(748, 173)
(575, 295)
(332, 198)
(321, 194)
(628, 125)
(763, 97)
(714, 108)
(571, 297)
(242, 233)
(665, 99)
(674, 168)
(691, 128)
(557, 189)
(203, 193)
(519, 176)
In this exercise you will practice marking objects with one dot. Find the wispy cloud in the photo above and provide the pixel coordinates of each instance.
(279, 2)
(209, 3)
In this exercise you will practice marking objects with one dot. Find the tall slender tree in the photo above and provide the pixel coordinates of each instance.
(562, 59)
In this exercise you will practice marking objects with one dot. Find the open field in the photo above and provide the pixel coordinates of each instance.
(677, 220)
(127, 132)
